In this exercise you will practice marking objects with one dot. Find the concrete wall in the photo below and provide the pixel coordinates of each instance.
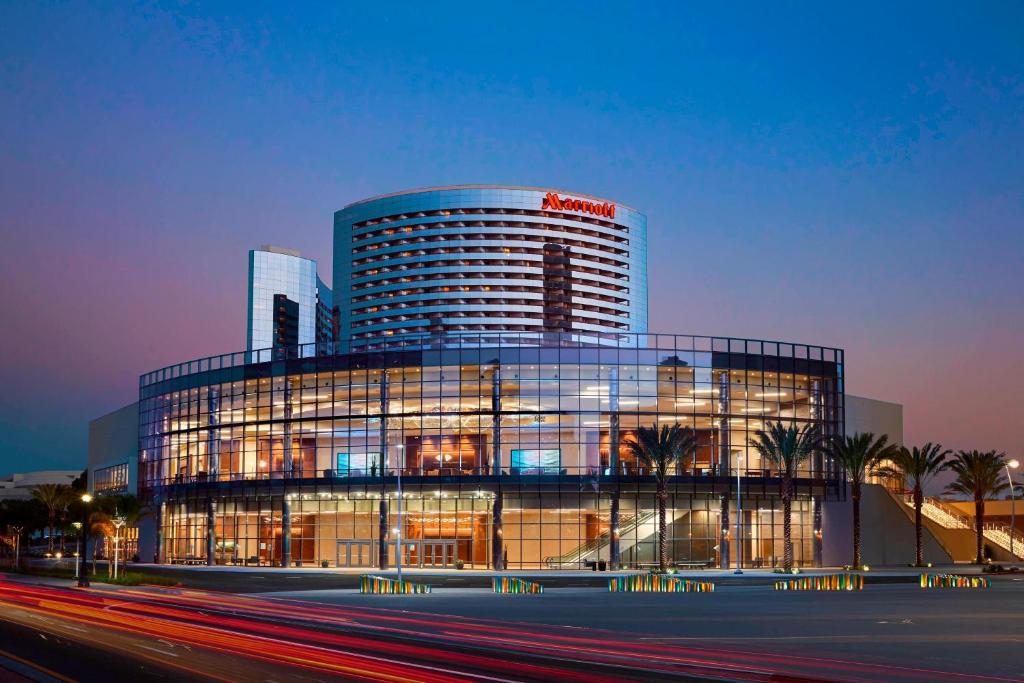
(887, 531)
(877, 417)
(114, 439)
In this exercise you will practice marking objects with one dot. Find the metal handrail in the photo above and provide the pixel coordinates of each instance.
(967, 522)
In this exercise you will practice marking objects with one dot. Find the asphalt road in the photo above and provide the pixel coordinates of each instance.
(970, 632)
(894, 632)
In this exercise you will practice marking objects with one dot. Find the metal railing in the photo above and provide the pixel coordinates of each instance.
(948, 517)
(575, 556)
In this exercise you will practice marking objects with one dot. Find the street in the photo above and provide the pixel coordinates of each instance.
(892, 632)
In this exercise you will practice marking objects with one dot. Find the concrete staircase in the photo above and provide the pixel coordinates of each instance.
(999, 535)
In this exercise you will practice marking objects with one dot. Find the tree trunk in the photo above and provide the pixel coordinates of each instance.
(918, 524)
(662, 539)
(787, 525)
(52, 519)
(979, 528)
(855, 497)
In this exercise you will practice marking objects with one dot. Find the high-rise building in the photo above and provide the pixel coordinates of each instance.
(486, 260)
(289, 306)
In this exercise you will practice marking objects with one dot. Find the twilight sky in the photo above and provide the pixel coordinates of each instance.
(848, 177)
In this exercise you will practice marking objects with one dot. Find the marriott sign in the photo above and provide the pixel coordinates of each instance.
(554, 202)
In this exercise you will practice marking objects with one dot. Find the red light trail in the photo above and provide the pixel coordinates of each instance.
(377, 644)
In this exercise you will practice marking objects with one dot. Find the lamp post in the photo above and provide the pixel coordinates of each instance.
(83, 576)
(78, 545)
(739, 519)
(17, 547)
(1013, 504)
(118, 521)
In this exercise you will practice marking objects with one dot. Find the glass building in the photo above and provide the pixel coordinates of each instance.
(487, 258)
(510, 452)
(486, 363)
(288, 305)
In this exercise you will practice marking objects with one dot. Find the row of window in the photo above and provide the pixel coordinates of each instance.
(554, 532)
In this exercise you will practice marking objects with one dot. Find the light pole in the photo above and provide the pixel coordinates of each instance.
(118, 521)
(739, 519)
(1013, 505)
(83, 576)
(17, 547)
(78, 545)
(398, 529)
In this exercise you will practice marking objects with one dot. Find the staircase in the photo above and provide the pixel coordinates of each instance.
(575, 557)
(950, 518)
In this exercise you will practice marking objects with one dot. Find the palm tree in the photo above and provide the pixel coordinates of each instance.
(858, 455)
(978, 475)
(919, 464)
(786, 448)
(659, 450)
(55, 497)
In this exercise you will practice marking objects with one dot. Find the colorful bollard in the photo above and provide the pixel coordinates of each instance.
(953, 581)
(514, 586)
(381, 585)
(830, 582)
(653, 583)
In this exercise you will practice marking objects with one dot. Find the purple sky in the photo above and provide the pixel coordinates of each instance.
(843, 177)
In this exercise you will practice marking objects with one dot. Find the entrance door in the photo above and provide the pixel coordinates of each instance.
(438, 553)
(355, 553)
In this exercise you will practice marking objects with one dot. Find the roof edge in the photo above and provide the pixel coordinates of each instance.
(420, 190)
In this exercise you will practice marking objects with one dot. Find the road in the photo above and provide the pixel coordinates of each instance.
(570, 634)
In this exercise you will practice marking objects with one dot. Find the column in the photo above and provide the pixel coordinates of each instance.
(614, 550)
(211, 532)
(497, 533)
(289, 465)
(382, 514)
(613, 422)
(286, 531)
(158, 553)
(817, 503)
(724, 466)
(724, 455)
(723, 533)
(382, 532)
(496, 421)
(818, 415)
(212, 440)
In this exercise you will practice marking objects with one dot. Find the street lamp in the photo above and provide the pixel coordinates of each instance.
(17, 547)
(83, 576)
(118, 521)
(78, 545)
(1013, 504)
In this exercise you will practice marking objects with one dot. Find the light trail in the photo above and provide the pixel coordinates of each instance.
(379, 644)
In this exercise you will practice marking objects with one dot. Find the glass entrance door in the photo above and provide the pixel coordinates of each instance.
(437, 554)
(355, 554)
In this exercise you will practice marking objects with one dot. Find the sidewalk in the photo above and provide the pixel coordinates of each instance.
(706, 574)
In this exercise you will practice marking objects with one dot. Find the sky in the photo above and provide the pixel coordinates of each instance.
(846, 175)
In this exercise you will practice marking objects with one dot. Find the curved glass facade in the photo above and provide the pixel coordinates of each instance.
(509, 450)
(489, 258)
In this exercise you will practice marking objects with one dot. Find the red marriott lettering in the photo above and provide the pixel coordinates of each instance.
(554, 202)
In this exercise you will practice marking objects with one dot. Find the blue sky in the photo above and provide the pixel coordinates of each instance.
(847, 176)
